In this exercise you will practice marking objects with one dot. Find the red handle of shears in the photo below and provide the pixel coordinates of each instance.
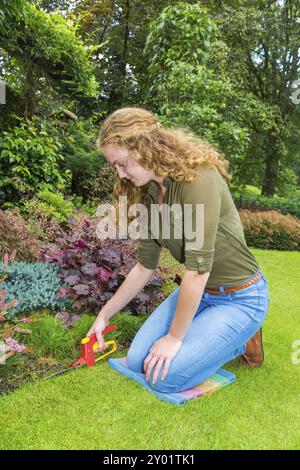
(87, 348)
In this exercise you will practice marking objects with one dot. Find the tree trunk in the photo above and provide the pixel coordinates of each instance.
(117, 98)
(272, 165)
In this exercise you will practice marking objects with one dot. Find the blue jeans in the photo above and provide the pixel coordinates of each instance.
(219, 332)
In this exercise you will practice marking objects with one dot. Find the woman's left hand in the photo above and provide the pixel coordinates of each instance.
(162, 351)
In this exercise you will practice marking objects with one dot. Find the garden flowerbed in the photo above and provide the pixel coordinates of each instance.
(49, 301)
(51, 346)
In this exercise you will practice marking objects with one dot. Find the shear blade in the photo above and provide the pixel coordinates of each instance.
(61, 372)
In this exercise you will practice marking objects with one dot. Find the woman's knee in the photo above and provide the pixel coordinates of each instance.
(152, 329)
(168, 385)
(135, 359)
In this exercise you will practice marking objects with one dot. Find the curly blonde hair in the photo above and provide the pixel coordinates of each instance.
(174, 152)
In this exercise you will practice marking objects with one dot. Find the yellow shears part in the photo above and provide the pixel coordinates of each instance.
(113, 349)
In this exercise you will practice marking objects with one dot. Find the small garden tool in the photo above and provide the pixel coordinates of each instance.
(89, 346)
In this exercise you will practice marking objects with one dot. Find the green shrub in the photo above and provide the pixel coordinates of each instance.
(28, 157)
(286, 205)
(47, 213)
(61, 207)
(271, 230)
(80, 156)
(89, 209)
(42, 219)
(34, 207)
(287, 182)
(100, 187)
(33, 285)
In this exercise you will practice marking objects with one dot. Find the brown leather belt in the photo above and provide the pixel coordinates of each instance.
(228, 290)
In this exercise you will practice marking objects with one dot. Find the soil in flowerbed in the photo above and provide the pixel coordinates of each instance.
(23, 368)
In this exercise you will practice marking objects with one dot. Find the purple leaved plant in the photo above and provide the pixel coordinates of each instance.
(92, 272)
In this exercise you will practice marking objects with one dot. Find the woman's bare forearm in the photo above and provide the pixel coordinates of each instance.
(190, 294)
(130, 287)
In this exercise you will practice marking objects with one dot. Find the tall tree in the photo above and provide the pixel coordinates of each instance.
(263, 61)
(258, 55)
(185, 89)
(117, 30)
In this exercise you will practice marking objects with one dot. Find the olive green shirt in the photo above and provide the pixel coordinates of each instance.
(223, 253)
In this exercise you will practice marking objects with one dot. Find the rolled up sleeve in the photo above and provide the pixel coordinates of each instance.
(148, 253)
(205, 189)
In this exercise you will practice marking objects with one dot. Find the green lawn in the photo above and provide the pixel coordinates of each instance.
(98, 408)
(253, 190)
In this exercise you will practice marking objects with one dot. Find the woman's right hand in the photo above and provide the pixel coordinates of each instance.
(97, 328)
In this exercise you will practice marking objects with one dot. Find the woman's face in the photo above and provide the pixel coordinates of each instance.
(126, 166)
